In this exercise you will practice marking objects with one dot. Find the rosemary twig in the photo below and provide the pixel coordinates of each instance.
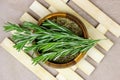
(52, 40)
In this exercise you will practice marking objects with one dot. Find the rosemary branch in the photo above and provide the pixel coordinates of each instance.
(51, 39)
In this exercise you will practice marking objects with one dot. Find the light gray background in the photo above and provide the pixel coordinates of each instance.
(11, 69)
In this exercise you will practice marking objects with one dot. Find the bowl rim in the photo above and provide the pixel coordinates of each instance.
(85, 34)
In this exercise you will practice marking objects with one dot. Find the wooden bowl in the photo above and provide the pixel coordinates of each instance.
(84, 31)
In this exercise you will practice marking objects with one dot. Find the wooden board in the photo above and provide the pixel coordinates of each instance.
(94, 33)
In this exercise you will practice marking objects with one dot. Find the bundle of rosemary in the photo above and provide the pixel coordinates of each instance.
(50, 40)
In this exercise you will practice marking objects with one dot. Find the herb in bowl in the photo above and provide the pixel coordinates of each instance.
(50, 40)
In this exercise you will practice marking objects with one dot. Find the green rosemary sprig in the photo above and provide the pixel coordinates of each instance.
(52, 40)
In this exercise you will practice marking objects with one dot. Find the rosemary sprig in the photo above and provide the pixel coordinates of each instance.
(52, 40)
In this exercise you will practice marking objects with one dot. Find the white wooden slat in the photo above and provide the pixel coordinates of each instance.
(69, 74)
(93, 33)
(65, 1)
(27, 17)
(60, 77)
(73, 68)
(85, 66)
(39, 9)
(101, 28)
(52, 9)
(95, 55)
(101, 17)
(26, 61)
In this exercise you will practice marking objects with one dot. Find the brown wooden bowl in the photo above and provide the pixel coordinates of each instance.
(84, 31)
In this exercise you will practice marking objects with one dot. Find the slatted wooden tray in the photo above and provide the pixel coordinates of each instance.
(105, 24)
